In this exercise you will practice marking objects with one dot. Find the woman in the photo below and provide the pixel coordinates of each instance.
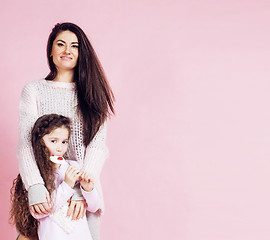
(76, 87)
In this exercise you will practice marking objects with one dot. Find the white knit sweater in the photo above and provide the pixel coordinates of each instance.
(46, 97)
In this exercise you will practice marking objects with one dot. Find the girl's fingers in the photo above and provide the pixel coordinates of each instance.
(72, 168)
(68, 169)
(73, 172)
(82, 175)
(86, 177)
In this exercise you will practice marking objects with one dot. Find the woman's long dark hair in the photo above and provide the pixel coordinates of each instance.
(95, 97)
(20, 214)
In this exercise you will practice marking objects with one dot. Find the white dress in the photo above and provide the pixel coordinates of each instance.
(56, 226)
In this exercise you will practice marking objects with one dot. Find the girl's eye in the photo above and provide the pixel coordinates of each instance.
(65, 142)
(75, 46)
(60, 44)
(53, 141)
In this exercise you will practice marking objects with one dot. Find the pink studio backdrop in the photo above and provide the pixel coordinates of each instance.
(190, 142)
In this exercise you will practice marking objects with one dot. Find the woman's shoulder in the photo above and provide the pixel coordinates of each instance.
(32, 88)
(43, 83)
(34, 84)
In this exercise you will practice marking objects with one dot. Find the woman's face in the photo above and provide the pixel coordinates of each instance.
(65, 51)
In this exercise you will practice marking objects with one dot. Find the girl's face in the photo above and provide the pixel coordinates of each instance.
(57, 141)
(65, 51)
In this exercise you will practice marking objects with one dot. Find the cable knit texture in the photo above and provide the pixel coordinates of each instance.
(47, 97)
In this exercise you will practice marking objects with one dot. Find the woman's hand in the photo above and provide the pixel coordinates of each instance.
(72, 175)
(78, 208)
(86, 181)
(42, 208)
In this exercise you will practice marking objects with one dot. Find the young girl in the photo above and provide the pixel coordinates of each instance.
(49, 138)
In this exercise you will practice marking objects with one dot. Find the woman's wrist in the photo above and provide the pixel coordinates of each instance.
(37, 194)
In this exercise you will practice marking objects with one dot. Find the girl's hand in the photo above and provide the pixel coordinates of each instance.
(86, 181)
(42, 208)
(72, 175)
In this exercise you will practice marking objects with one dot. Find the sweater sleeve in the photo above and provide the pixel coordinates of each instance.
(28, 113)
(96, 153)
(61, 196)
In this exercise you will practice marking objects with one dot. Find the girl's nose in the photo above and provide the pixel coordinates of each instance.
(59, 148)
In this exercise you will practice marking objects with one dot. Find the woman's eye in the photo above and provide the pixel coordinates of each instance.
(65, 142)
(53, 141)
(60, 44)
(75, 46)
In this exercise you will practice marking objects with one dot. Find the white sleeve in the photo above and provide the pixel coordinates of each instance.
(96, 153)
(92, 199)
(28, 114)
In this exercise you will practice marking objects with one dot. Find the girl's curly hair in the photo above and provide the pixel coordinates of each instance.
(20, 214)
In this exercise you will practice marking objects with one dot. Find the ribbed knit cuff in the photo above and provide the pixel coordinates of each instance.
(78, 194)
(37, 194)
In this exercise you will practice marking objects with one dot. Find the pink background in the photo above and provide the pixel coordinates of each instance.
(190, 143)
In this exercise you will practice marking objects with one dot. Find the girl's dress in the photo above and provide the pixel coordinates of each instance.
(56, 226)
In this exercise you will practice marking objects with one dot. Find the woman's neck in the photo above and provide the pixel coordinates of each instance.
(64, 76)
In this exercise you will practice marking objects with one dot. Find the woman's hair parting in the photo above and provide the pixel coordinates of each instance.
(95, 97)
(20, 214)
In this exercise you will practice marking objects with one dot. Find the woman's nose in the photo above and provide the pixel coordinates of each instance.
(67, 50)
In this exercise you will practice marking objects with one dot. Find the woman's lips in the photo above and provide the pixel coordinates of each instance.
(66, 58)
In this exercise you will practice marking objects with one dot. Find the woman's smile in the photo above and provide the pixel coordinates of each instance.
(66, 58)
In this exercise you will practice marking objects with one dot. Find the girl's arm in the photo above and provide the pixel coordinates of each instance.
(28, 113)
(96, 153)
(89, 192)
(92, 199)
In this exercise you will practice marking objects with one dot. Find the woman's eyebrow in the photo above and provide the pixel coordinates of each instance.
(65, 42)
(61, 41)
